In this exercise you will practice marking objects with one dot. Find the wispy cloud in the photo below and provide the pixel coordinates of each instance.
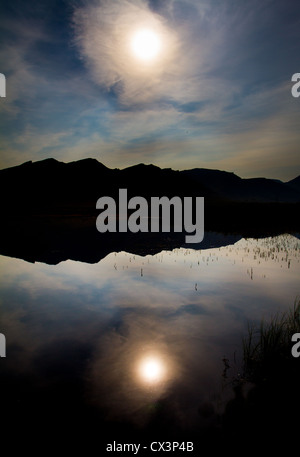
(218, 95)
(103, 33)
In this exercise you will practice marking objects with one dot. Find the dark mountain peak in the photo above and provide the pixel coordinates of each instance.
(210, 170)
(230, 186)
(49, 160)
(294, 184)
(207, 172)
(42, 166)
(89, 160)
(48, 165)
(143, 167)
(275, 180)
(24, 166)
(297, 179)
(30, 168)
(223, 183)
(141, 173)
(88, 163)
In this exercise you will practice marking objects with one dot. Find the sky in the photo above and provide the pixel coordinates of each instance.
(211, 90)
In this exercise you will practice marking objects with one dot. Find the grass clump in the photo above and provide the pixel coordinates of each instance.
(267, 349)
(268, 412)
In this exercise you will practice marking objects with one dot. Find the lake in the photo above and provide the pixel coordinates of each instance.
(135, 345)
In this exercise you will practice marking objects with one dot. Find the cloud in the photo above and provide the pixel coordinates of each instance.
(194, 45)
(217, 96)
(103, 33)
(196, 62)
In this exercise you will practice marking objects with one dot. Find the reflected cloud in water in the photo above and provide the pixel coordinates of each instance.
(144, 330)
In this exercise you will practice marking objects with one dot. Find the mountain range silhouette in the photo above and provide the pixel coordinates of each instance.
(50, 184)
(49, 208)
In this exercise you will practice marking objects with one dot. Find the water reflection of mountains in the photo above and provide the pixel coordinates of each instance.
(52, 240)
(49, 214)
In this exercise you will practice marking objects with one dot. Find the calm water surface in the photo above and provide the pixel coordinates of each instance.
(133, 334)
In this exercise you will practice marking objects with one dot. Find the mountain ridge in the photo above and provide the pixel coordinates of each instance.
(140, 164)
(49, 210)
(51, 182)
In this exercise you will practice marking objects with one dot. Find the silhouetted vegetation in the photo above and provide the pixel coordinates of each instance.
(267, 349)
(267, 415)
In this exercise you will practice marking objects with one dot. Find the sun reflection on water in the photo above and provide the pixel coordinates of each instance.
(152, 370)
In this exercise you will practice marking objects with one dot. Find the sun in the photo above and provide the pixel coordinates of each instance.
(152, 370)
(145, 45)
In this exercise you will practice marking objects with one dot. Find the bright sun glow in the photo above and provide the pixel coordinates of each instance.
(152, 370)
(145, 45)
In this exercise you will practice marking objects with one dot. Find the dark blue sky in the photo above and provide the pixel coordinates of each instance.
(216, 95)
